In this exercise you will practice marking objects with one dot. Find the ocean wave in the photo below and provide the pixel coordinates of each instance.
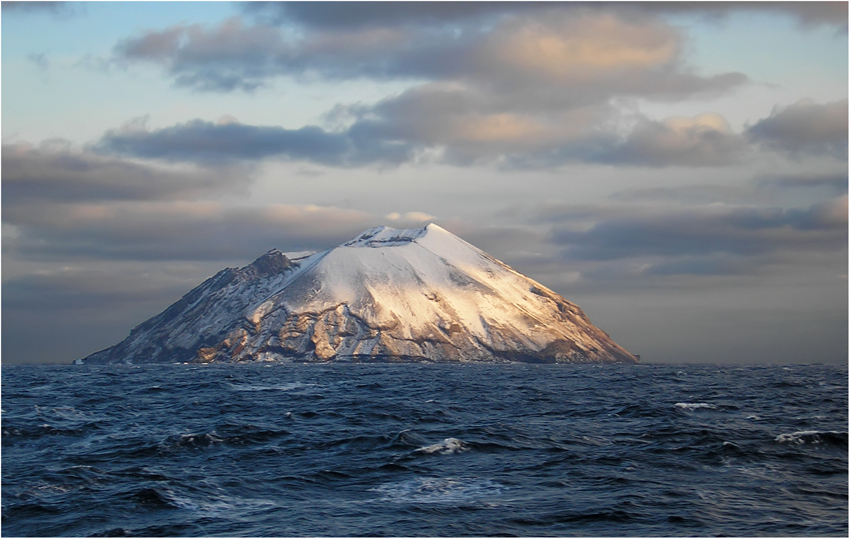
(833, 438)
(156, 499)
(263, 387)
(433, 490)
(250, 451)
(228, 435)
(190, 441)
(446, 447)
(695, 405)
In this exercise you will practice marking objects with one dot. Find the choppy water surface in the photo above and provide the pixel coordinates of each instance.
(424, 450)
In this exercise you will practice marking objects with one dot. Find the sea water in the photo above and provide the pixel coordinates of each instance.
(424, 450)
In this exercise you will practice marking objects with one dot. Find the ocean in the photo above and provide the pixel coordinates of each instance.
(424, 450)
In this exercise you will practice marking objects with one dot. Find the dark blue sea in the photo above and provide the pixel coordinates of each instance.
(424, 450)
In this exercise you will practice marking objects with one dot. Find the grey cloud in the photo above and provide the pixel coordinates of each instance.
(39, 59)
(376, 14)
(371, 14)
(650, 144)
(57, 9)
(646, 56)
(817, 13)
(54, 172)
(587, 58)
(236, 56)
(689, 142)
(561, 212)
(205, 142)
(69, 290)
(213, 80)
(805, 127)
(706, 231)
(470, 127)
(86, 307)
(397, 130)
(706, 265)
(808, 14)
(689, 194)
(174, 231)
(527, 91)
(758, 190)
(153, 45)
(833, 182)
(226, 58)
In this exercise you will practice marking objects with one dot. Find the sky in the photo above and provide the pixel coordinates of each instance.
(678, 170)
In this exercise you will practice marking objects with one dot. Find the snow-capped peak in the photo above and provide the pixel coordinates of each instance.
(384, 236)
(410, 294)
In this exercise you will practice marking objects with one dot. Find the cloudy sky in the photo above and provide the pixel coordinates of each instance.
(679, 170)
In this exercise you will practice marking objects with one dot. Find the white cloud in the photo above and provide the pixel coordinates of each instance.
(414, 216)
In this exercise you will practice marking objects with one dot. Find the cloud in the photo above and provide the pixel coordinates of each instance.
(578, 52)
(687, 194)
(587, 58)
(808, 14)
(437, 123)
(467, 126)
(325, 15)
(160, 230)
(335, 15)
(86, 307)
(69, 289)
(61, 203)
(709, 231)
(54, 172)
(836, 183)
(61, 10)
(226, 142)
(207, 142)
(39, 60)
(532, 87)
(805, 127)
(705, 140)
(816, 13)
(701, 141)
(229, 57)
(760, 190)
(413, 216)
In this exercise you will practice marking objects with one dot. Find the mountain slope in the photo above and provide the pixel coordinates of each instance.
(389, 294)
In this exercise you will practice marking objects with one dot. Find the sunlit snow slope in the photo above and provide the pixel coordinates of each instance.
(418, 294)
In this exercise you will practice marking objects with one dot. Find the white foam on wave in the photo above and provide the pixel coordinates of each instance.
(805, 436)
(446, 447)
(66, 413)
(218, 506)
(434, 490)
(259, 387)
(694, 405)
(208, 438)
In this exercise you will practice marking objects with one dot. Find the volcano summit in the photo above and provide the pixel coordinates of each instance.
(416, 294)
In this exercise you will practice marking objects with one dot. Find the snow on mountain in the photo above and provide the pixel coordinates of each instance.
(418, 294)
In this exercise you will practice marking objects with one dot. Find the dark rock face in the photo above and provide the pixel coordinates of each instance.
(152, 341)
(271, 263)
(387, 295)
